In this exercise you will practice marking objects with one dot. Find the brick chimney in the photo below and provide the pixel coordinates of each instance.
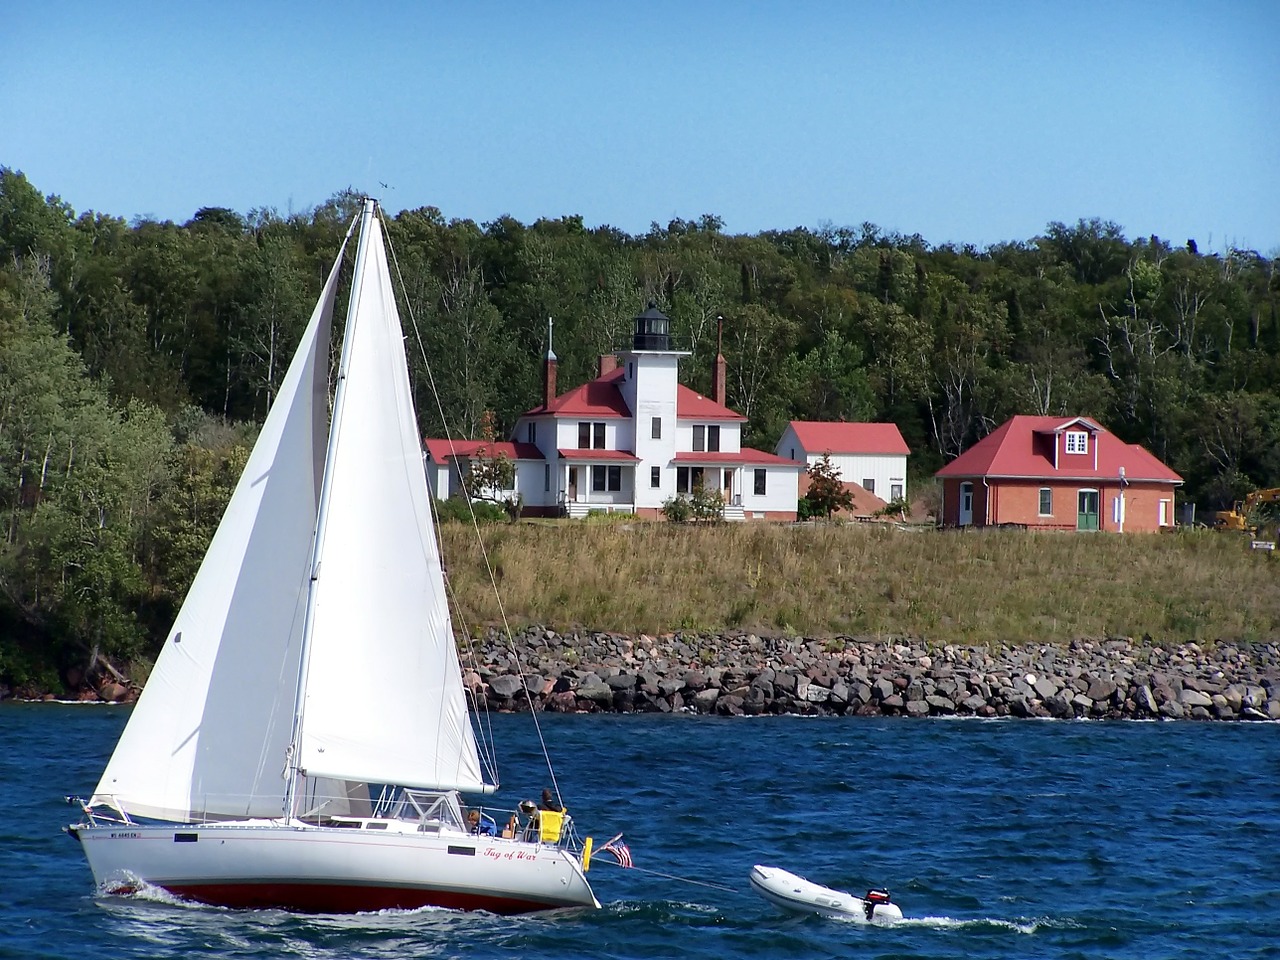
(720, 375)
(549, 369)
(608, 363)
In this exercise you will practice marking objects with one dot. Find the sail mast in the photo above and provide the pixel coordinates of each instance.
(335, 428)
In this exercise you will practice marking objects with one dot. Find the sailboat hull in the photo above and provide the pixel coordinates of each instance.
(334, 870)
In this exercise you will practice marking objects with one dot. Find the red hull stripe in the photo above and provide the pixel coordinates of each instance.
(351, 898)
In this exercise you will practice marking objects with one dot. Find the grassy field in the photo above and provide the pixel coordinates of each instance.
(986, 587)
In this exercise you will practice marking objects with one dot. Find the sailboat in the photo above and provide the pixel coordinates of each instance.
(304, 739)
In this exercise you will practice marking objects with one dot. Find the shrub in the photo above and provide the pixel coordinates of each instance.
(455, 510)
(678, 509)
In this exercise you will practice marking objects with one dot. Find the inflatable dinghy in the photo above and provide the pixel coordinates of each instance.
(797, 894)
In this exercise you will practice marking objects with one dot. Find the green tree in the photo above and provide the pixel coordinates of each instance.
(827, 492)
(490, 472)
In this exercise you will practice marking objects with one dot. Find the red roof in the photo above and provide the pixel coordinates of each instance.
(1011, 451)
(691, 405)
(826, 436)
(746, 455)
(590, 456)
(441, 450)
(602, 397)
(596, 398)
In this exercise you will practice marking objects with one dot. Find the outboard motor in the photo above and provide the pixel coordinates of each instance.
(873, 899)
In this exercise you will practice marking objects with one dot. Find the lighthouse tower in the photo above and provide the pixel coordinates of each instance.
(649, 387)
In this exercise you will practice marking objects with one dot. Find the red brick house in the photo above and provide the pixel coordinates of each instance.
(1056, 473)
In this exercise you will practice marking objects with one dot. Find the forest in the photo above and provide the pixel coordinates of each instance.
(136, 359)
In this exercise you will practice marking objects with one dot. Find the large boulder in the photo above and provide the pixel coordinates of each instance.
(1145, 699)
(1101, 689)
(1059, 707)
(112, 692)
(939, 704)
(671, 686)
(816, 694)
(705, 700)
(1190, 698)
(505, 686)
(596, 691)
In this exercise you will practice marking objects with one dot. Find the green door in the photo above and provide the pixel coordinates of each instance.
(1087, 510)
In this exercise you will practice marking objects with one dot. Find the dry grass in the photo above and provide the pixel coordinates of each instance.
(983, 587)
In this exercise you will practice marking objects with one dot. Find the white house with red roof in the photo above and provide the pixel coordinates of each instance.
(630, 440)
(1057, 473)
(871, 458)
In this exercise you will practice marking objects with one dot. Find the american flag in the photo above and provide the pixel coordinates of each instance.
(621, 852)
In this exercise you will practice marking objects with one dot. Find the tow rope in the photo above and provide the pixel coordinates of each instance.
(672, 876)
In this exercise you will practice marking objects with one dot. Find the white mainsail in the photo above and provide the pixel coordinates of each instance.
(383, 699)
(208, 736)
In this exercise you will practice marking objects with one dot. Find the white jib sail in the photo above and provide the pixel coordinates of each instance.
(383, 700)
(208, 736)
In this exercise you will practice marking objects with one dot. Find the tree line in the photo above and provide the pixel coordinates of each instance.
(136, 360)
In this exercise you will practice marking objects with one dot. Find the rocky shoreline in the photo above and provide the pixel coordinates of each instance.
(749, 675)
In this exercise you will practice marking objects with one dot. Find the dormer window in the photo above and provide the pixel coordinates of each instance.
(533, 431)
(1077, 441)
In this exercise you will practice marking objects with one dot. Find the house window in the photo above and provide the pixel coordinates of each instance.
(590, 435)
(546, 476)
(706, 437)
(1077, 441)
(760, 475)
(896, 493)
(655, 428)
(533, 432)
(606, 478)
(655, 477)
(1166, 513)
(1046, 502)
(687, 478)
(869, 485)
(631, 371)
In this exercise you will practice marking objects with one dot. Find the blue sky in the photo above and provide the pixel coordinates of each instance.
(963, 122)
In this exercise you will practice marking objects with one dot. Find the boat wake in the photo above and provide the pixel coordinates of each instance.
(952, 923)
(131, 887)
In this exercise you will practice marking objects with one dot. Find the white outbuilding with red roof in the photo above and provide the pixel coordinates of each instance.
(870, 457)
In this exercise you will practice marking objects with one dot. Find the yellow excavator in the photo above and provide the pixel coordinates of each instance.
(1242, 516)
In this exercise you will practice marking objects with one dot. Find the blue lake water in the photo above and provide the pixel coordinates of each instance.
(997, 838)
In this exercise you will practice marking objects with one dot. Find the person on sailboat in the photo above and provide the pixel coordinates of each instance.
(482, 824)
(549, 802)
